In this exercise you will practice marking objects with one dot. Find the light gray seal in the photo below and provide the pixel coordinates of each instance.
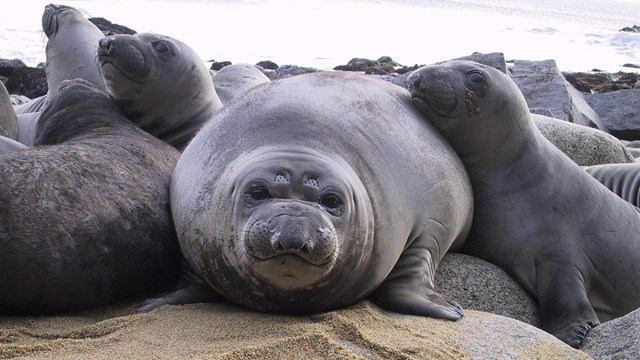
(234, 80)
(313, 192)
(8, 119)
(160, 83)
(7, 144)
(562, 235)
(622, 179)
(85, 214)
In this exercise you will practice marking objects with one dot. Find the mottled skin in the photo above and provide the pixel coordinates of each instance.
(316, 191)
(160, 83)
(568, 240)
(622, 179)
(84, 215)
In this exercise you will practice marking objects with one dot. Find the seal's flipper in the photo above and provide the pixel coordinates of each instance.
(190, 289)
(565, 310)
(409, 287)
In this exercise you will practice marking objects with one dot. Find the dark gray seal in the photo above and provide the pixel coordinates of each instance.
(160, 83)
(622, 179)
(562, 235)
(8, 119)
(85, 217)
(313, 192)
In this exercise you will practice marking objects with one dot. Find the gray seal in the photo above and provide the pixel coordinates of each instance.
(622, 179)
(567, 239)
(8, 119)
(7, 144)
(234, 80)
(300, 197)
(85, 214)
(160, 83)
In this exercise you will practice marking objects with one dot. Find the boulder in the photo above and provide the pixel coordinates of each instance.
(7, 66)
(285, 71)
(619, 112)
(109, 28)
(479, 285)
(615, 339)
(584, 145)
(495, 60)
(267, 64)
(28, 81)
(544, 86)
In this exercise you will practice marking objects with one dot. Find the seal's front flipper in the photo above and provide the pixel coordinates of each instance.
(190, 290)
(565, 310)
(409, 287)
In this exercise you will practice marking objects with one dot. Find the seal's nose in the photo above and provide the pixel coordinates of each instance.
(105, 45)
(294, 236)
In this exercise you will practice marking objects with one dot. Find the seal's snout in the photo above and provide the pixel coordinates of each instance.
(431, 92)
(105, 46)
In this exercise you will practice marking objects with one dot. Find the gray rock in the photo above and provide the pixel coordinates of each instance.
(584, 145)
(285, 71)
(619, 111)
(495, 60)
(615, 339)
(479, 285)
(543, 86)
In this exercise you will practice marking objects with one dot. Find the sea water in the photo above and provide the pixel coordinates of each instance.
(579, 34)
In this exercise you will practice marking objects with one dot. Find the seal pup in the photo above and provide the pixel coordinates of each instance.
(234, 80)
(621, 179)
(160, 83)
(8, 119)
(84, 215)
(313, 192)
(562, 235)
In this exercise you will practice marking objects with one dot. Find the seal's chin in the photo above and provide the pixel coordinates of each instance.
(289, 271)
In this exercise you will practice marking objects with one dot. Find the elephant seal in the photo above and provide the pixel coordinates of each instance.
(234, 80)
(160, 83)
(313, 192)
(621, 179)
(7, 144)
(562, 235)
(8, 119)
(85, 214)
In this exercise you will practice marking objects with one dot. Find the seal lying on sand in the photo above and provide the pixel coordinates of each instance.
(316, 191)
(160, 84)
(85, 218)
(561, 234)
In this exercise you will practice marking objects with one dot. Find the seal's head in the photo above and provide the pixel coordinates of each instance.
(466, 101)
(292, 221)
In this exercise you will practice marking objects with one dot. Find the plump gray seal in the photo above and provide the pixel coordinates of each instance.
(160, 83)
(85, 217)
(313, 192)
(622, 179)
(234, 80)
(72, 42)
(562, 235)
(8, 119)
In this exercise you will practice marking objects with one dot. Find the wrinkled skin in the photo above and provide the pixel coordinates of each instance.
(562, 235)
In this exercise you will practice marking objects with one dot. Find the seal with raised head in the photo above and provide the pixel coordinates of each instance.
(85, 217)
(313, 192)
(567, 239)
(160, 83)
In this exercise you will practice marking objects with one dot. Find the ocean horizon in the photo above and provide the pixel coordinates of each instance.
(580, 35)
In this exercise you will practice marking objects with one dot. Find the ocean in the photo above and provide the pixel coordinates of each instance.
(580, 35)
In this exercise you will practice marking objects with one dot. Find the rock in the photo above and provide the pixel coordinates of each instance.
(634, 28)
(633, 66)
(7, 66)
(591, 83)
(479, 285)
(584, 145)
(285, 71)
(267, 64)
(109, 28)
(543, 86)
(615, 339)
(495, 60)
(27, 81)
(619, 112)
(217, 65)
(356, 64)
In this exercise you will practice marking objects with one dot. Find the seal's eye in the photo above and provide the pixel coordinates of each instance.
(475, 78)
(161, 47)
(331, 201)
(258, 193)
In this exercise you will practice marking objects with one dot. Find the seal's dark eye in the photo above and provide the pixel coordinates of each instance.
(258, 193)
(331, 201)
(475, 78)
(161, 47)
